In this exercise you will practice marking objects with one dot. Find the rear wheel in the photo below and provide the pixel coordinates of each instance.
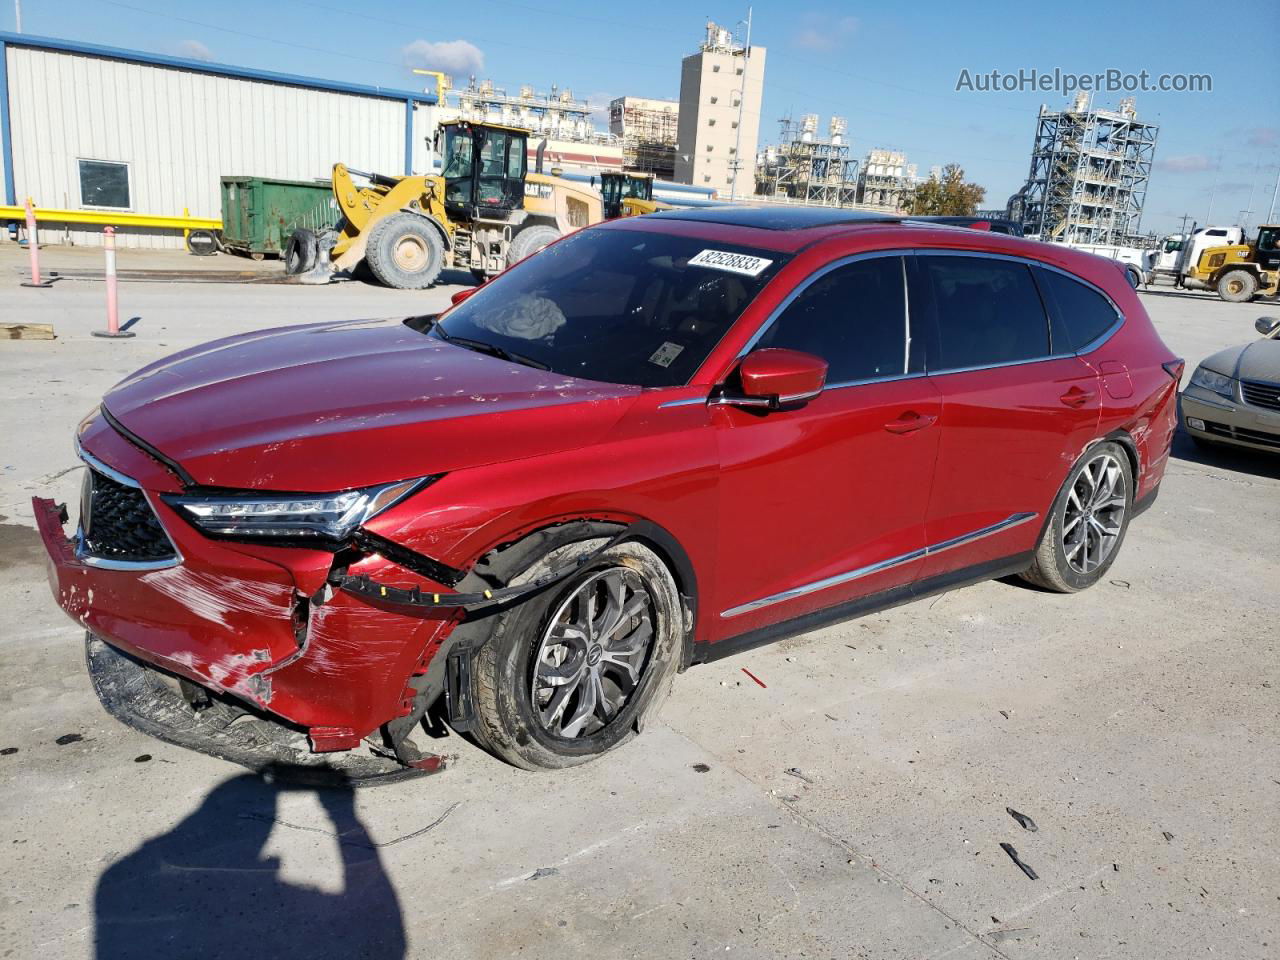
(1237, 286)
(529, 241)
(1088, 522)
(571, 673)
(405, 252)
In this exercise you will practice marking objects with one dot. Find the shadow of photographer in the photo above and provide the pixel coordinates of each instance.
(205, 888)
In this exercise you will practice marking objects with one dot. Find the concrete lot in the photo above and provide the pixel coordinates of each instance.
(1136, 723)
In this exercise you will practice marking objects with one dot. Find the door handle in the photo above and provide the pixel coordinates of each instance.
(1075, 397)
(910, 421)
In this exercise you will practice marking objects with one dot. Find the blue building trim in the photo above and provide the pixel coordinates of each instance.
(408, 136)
(214, 69)
(6, 132)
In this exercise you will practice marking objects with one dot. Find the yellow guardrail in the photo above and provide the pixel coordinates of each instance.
(111, 218)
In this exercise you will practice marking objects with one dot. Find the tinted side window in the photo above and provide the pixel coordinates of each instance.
(1082, 311)
(989, 312)
(853, 317)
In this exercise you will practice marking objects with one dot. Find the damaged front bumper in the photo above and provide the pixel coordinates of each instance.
(153, 703)
(251, 625)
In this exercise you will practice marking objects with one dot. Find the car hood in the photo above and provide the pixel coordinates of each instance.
(1259, 360)
(327, 407)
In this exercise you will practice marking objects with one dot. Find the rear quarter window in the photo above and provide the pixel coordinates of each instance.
(1082, 312)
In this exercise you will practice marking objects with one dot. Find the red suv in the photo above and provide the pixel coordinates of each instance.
(659, 441)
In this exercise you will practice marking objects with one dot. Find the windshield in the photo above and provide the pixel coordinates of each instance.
(619, 306)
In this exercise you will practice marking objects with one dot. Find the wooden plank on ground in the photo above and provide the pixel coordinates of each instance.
(26, 331)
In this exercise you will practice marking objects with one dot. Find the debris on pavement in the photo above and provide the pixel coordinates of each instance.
(543, 872)
(1025, 822)
(795, 772)
(755, 678)
(1120, 583)
(701, 768)
(7, 751)
(142, 758)
(1167, 835)
(1005, 714)
(66, 738)
(1013, 855)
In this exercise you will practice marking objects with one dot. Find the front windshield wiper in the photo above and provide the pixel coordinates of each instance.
(492, 349)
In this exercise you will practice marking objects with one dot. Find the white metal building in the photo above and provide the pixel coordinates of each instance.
(85, 127)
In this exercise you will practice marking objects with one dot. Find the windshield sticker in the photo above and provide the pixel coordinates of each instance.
(666, 354)
(742, 263)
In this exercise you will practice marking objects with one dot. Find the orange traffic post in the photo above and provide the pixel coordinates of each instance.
(33, 251)
(113, 330)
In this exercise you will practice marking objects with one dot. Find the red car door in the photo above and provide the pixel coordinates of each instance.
(826, 502)
(1016, 411)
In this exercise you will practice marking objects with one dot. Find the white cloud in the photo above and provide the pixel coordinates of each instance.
(455, 57)
(194, 50)
(1187, 163)
(824, 34)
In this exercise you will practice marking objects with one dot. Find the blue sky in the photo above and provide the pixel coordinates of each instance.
(891, 70)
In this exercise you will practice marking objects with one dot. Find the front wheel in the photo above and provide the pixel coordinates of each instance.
(405, 252)
(1088, 522)
(571, 673)
(1237, 286)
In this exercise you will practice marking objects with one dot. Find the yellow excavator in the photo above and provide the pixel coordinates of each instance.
(628, 194)
(483, 212)
(1239, 271)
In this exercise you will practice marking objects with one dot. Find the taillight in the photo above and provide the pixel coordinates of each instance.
(1174, 368)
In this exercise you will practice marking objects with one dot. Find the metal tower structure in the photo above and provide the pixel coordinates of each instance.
(806, 168)
(1089, 174)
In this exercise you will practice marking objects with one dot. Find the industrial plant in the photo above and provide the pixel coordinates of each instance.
(1089, 173)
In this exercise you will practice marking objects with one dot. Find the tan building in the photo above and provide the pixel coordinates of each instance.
(647, 129)
(720, 84)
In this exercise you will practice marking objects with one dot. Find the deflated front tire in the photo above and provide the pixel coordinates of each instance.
(574, 671)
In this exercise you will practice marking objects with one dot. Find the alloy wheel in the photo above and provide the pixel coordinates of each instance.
(1094, 516)
(593, 653)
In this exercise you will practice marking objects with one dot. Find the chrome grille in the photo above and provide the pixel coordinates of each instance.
(1258, 393)
(118, 524)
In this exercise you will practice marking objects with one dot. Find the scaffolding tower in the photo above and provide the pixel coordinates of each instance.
(805, 168)
(1089, 174)
(648, 129)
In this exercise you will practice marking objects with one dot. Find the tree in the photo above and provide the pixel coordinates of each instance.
(947, 195)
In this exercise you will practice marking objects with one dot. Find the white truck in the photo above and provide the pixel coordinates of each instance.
(1136, 261)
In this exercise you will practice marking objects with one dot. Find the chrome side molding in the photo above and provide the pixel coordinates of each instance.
(1008, 523)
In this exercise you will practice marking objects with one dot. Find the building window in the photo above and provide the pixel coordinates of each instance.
(715, 68)
(104, 184)
(711, 122)
(733, 149)
(738, 71)
(715, 99)
(709, 147)
(733, 124)
(706, 178)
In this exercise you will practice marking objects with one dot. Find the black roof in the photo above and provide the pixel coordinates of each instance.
(775, 218)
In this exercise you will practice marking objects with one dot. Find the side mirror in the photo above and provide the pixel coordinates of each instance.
(462, 294)
(774, 377)
(1267, 325)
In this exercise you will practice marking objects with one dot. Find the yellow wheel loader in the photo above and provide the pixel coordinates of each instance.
(1238, 271)
(482, 213)
(628, 195)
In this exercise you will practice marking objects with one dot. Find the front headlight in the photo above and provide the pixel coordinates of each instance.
(305, 516)
(1223, 386)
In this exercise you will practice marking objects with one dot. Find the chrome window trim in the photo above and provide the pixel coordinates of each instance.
(106, 563)
(1013, 520)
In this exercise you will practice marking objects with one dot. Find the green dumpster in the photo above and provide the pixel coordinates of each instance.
(259, 213)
